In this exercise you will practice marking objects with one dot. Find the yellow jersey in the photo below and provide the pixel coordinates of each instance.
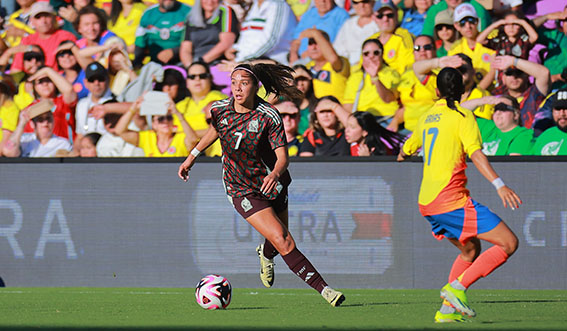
(23, 98)
(193, 111)
(125, 27)
(445, 137)
(327, 81)
(416, 96)
(481, 56)
(148, 142)
(369, 99)
(484, 111)
(9, 114)
(398, 52)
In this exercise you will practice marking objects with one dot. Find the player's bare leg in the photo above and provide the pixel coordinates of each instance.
(268, 224)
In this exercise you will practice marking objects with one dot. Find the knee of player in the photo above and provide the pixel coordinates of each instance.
(283, 243)
(511, 245)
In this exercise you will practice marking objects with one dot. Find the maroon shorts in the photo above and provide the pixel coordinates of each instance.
(252, 203)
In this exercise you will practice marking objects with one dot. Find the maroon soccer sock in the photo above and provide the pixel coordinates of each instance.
(301, 266)
(269, 250)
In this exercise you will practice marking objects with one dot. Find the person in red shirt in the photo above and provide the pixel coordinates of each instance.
(47, 35)
(255, 161)
(48, 84)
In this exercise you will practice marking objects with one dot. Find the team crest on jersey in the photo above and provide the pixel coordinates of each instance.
(246, 205)
(391, 53)
(324, 76)
(171, 150)
(164, 34)
(253, 126)
(486, 57)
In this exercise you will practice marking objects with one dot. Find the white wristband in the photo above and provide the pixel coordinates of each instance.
(498, 183)
(195, 152)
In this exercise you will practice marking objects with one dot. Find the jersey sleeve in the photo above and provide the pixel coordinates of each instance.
(276, 132)
(413, 143)
(469, 133)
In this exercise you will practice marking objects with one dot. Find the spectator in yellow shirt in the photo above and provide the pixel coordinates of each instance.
(466, 22)
(330, 71)
(397, 41)
(374, 87)
(9, 112)
(417, 95)
(125, 17)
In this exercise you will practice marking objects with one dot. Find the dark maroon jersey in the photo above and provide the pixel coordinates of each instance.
(248, 141)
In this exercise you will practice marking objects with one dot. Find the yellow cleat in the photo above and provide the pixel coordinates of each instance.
(448, 318)
(335, 298)
(267, 275)
(457, 298)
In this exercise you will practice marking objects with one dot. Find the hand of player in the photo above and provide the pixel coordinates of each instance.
(509, 197)
(270, 183)
(402, 156)
(185, 167)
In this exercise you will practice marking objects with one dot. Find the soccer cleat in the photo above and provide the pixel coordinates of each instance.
(457, 298)
(266, 267)
(448, 318)
(335, 298)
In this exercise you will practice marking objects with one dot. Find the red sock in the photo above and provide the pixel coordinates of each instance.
(269, 250)
(459, 266)
(301, 266)
(486, 263)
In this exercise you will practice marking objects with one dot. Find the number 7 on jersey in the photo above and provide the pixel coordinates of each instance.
(427, 153)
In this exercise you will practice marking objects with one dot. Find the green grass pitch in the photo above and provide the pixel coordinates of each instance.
(274, 309)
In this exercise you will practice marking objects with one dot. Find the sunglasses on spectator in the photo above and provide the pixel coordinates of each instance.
(513, 72)
(311, 41)
(440, 27)
(165, 118)
(375, 53)
(65, 52)
(504, 107)
(43, 118)
(284, 115)
(466, 20)
(43, 80)
(100, 79)
(463, 69)
(389, 15)
(324, 111)
(28, 56)
(301, 79)
(426, 47)
(362, 1)
(201, 76)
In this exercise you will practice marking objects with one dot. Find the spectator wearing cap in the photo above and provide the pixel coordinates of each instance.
(445, 32)
(504, 134)
(290, 117)
(553, 141)
(49, 85)
(397, 42)
(355, 31)
(96, 82)
(516, 80)
(414, 17)
(18, 24)
(451, 5)
(47, 35)
(161, 32)
(416, 94)
(330, 71)
(267, 31)
(466, 20)
(41, 142)
(8, 111)
(325, 16)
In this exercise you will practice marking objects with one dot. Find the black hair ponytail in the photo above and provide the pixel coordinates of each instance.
(276, 78)
(451, 86)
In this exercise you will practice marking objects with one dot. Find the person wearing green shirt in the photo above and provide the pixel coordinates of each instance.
(553, 141)
(555, 40)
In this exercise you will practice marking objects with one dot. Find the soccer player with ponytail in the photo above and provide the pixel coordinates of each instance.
(255, 161)
(446, 134)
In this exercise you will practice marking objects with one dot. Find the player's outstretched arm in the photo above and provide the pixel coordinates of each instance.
(508, 196)
(210, 136)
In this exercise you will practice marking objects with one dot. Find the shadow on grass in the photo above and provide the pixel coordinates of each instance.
(523, 301)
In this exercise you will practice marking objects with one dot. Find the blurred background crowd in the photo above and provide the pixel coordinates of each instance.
(83, 78)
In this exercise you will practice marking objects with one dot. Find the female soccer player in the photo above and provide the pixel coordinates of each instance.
(446, 133)
(255, 161)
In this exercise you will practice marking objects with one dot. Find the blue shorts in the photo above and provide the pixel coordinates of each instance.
(464, 223)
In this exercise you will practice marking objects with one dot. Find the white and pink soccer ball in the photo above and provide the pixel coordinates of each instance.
(213, 292)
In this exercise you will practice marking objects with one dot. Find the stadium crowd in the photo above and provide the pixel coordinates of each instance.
(120, 78)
